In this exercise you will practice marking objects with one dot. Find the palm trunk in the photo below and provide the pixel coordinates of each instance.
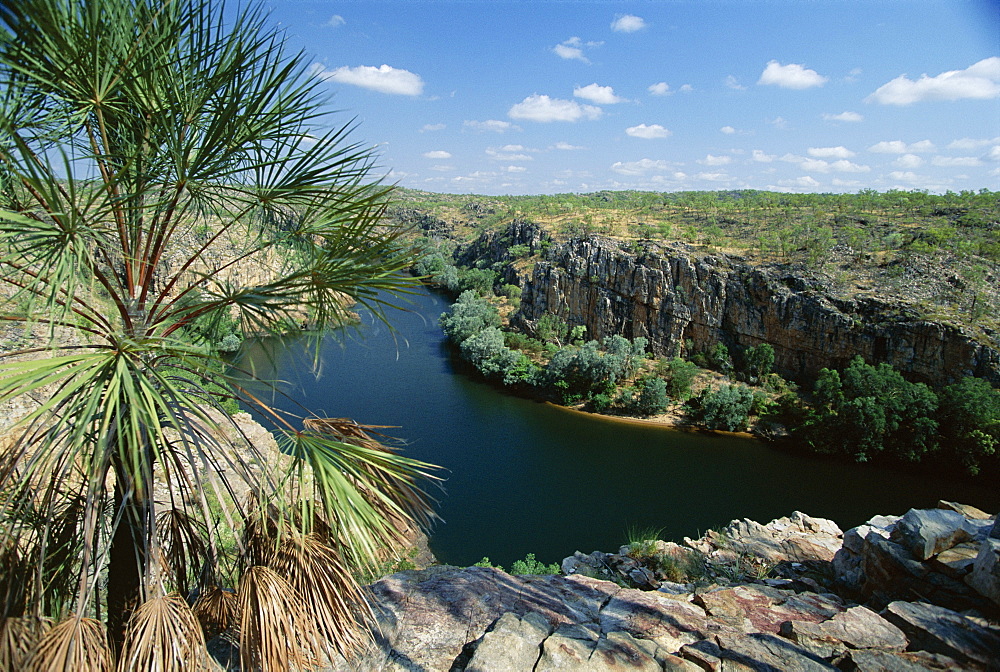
(126, 563)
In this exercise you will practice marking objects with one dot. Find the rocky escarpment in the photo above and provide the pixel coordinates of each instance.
(797, 617)
(674, 295)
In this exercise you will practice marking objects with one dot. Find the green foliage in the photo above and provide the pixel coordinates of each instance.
(479, 280)
(469, 315)
(757, 362)
(552, 328)
(678, 374)
(519, 251)
(649, 397)
(532, 566)
(727, 408)
(970, 422)
(871, 410)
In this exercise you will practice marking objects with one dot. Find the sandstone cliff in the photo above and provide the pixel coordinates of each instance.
(676, 294)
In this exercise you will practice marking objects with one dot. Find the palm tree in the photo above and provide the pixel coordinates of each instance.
(164, 170)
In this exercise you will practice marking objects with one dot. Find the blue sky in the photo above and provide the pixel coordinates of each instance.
(519, 97)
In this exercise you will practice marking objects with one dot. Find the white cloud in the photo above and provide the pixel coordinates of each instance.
(426, 128)
(712, 160)
(906, 176)
(569, 53)
(728, 130)
(955, 161)
(713, 177)
(641, 167)
(491, 126)
(841, 166)
(791, 76)
(778, 122)
(845, 166)
(994, 153)
(804, 182)
(908, 161)
(572, 49)
(900, 147)
(335, 20)
(647, 132)
(543, 109)
(852, 117)
(384, 79)
(761, 157)
(734, 83)
(660, 89)
(442, 168)
(565, 146)
(686, 88)
(508, 153)
(627, 23)
(437, 154)
(602, 95)
(516, 169)
(979, 81)
(972, 143)
(839, 152)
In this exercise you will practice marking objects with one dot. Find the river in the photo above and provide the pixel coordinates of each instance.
(526, 477)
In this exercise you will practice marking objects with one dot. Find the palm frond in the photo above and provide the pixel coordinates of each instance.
(184, 540)
(217, 610)
(164, 636)
(74, 643)
(276, 630)
(18, 636)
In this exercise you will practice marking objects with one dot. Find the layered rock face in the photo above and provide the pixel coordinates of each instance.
(451, 619)
(672, 294)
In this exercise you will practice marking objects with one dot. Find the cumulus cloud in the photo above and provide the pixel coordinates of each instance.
(734, 83)
(490, 126)
(761, 157)
(908, 161)
(973, 143)
(841, 166)
(335, 20)
(384, 79)
(839, 152)
(565, 146)
(728, 130)
(543, 109)
(627, 23)
(686, 88)
(956, 161)
(660, 89)
(647, 132)
(427, 128)
(572, 49)
(437, 154)
(508, 153)
(900, 147)
(852, 117)
(516, 169)
(602, 95)
(712, 160)
(713, 177)
(979, 81)
(640, 167)
(791, 76)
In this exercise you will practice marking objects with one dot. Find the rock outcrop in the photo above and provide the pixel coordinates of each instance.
(672, 294)
(798, 615)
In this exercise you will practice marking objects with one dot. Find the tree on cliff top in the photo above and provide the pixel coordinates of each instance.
(139, 138)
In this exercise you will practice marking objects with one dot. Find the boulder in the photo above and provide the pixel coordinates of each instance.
(939, 630)
(927, 532)
(985, 574)
(958, 560)
(856, 628)
(966, 510)
(512, 644)
(867, 660)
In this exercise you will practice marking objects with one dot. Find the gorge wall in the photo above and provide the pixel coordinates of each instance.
(670, 294)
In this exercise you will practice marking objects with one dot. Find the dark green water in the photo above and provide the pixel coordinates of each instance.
(523, 476)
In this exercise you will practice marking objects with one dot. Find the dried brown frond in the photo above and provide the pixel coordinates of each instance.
(276, 630)
(17, 637)
(184, 540)
(163, 636)
(328, 587)
(217, 610)
(78, 644)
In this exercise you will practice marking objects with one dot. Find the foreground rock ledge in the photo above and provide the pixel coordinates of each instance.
(481, 619)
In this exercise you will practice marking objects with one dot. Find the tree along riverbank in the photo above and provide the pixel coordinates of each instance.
(862, 412)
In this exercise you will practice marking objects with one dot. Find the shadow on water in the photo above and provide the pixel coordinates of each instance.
(527, 477)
